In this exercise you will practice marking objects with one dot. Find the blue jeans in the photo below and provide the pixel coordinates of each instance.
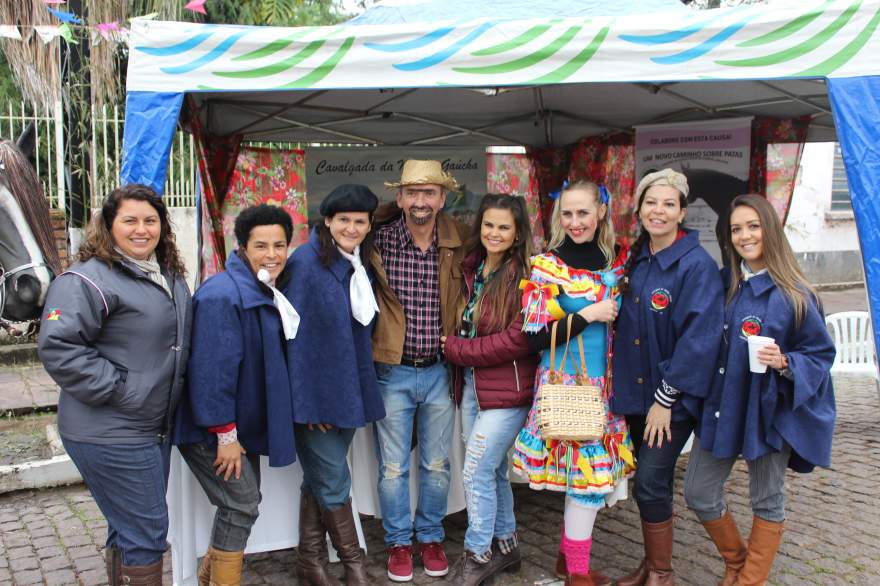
(322, 456)
(655, 468)
(420, 396)
(488, 436)
(128, 483)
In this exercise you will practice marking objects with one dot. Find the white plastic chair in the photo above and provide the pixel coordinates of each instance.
(854, 340)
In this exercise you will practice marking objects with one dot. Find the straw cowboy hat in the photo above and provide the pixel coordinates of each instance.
(417, 172)
(668, 177)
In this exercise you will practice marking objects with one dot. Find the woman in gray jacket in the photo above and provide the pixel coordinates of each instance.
(115, 337)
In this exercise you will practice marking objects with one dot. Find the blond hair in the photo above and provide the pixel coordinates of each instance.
(604, 230)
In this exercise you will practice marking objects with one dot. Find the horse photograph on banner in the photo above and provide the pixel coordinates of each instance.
(28, 258)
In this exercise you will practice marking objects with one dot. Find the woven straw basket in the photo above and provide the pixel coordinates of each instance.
(570, 412)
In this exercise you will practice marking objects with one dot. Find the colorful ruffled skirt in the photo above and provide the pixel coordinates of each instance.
(586, 471)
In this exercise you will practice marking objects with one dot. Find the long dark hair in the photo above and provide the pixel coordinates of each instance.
(777, 253)
(99, 238)
(641, 240)
(327, 251)
(502, 301)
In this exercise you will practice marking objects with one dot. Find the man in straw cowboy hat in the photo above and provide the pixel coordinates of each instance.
(419, 298)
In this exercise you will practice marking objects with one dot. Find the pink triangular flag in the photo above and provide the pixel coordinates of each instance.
(196, 6)
(107, 28)
(53, 1)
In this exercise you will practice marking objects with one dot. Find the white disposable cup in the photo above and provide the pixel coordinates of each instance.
(755, 344)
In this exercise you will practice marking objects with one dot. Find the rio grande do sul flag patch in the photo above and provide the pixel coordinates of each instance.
(53, 314)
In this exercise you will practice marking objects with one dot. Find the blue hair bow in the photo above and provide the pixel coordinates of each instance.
(555, 194)
(604, 196)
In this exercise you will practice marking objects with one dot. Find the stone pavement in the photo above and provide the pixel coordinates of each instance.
(832, 533)
(24, 389)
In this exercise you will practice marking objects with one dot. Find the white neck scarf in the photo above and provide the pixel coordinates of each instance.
(289, 316)
(363, 302)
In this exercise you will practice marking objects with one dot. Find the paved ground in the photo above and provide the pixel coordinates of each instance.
(832, 535)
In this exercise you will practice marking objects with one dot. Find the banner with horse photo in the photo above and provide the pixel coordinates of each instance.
(713, 155)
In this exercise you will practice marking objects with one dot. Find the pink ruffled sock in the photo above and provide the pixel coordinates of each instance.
(577, 555)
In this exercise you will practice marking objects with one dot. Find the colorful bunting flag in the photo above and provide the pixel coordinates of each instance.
(196, 6)
(47, 32)
(150, 16)
(10, 31)
(64, 16)
(67, 34)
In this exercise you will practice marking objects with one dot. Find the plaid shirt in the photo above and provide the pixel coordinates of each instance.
(414, 276)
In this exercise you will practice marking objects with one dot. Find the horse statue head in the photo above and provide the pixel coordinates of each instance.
(28, 258)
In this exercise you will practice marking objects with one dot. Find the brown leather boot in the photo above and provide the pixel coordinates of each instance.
(579, 580)
(204, 574)
(225, 567)
(313, 560)
(142, 575)
(763, 545)
(637, 577)
(730, 545)
(113, 561)
(561, 568)
(343, 534)
(658, 552)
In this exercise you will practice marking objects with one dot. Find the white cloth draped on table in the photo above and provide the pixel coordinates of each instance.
(191, 516)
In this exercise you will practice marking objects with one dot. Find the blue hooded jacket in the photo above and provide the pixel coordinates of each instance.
(668, 329)
(238, 368)
(753, 414)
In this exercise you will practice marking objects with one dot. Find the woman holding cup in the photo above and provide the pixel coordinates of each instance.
(778, 417)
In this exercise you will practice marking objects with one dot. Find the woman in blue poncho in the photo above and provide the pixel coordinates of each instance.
(781, 418)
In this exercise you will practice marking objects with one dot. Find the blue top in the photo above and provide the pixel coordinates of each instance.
(331, 358)
(594, 336)
(668, 328)
(753, 414)
(238, 368)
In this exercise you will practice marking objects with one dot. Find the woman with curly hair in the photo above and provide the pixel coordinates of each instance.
(115, 337)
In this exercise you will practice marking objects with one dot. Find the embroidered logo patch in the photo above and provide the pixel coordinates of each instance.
(54, 314)
(751, 326)
(660, 299)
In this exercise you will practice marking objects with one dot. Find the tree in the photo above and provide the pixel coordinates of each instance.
(275, 12)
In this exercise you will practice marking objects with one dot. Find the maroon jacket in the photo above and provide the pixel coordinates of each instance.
(504, 366)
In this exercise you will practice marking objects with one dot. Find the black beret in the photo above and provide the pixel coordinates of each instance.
(349, 198)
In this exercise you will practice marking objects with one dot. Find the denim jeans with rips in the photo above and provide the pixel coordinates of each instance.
(488, 436)
(420, 397)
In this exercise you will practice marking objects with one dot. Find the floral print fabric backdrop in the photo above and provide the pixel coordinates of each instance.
(514, 174)
(271, 176)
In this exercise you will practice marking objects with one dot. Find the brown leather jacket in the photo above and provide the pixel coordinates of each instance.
(390, 329)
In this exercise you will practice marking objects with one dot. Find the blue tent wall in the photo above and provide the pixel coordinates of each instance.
(856, 108)
(150, 120)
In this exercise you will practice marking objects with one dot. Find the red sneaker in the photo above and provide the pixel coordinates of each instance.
(434, 559)
(400, 564)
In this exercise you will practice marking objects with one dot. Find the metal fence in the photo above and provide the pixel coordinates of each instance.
(106, 153)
